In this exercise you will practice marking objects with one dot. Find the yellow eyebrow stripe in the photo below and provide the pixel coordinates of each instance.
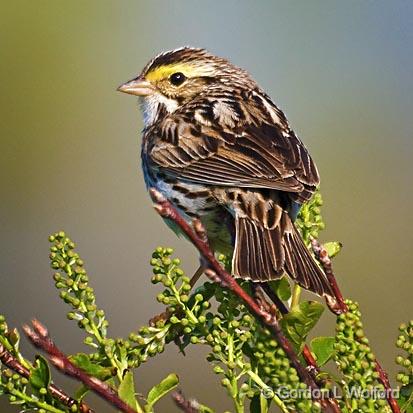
(163, 72)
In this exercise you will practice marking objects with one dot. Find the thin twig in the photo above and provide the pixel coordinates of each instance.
(325, 261)
(384, 380)
(186, 405)
(196, 235)
(12, 363)
(40, 338)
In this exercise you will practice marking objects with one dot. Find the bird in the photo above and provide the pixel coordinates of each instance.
(219, 149)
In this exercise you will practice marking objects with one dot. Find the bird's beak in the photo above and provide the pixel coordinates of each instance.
(139, 87)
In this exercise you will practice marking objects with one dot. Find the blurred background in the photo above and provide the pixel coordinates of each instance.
(69, 158)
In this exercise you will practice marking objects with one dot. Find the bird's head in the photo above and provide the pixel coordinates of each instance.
(174, 78)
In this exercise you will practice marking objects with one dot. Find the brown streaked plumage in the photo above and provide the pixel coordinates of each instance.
(217, 146)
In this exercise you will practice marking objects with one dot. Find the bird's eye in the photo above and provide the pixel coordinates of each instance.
(177, 78)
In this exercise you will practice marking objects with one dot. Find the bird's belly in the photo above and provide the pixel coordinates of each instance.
(195, 201)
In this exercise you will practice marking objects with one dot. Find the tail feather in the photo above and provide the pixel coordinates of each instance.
(263, 254)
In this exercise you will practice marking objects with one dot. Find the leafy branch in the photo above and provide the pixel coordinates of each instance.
(256, 337)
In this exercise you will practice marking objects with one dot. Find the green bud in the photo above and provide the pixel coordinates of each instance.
(244, 387)
(167, 283)
(250, 394)
(216, 349)
(246, 318)
(71, 315)
(76, 303)
(359, 333)
(156, 278)
(225, 382)
(88, 340)
(400, 377)
(231, 365)
(223, 335)
(184, 298)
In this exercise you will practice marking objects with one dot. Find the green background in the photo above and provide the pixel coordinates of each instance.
(69, 158)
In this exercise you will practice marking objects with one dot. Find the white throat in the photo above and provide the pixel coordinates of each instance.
(151, 104)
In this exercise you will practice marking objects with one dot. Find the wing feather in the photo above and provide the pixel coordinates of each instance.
(253, 153)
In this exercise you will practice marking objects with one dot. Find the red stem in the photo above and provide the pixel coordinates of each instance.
(40, 338)
(322, 255)
(384, 380)
(12, 363)
(196, 235)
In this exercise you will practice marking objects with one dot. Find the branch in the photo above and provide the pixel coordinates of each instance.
(39, 337)
(196, 234)
(12, 363)
(325, 261)
(384, 380)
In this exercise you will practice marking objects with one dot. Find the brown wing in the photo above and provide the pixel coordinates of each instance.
(233, 148)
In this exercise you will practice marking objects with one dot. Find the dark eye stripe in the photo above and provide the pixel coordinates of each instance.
(177, 78)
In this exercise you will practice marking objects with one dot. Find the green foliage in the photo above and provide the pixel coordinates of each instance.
(323, 349)
(300, 321)
(309, 220)
(126, 390)
(356, 361)
(27, 394)
(40, 374)
(405, 361)
(160, 390)
(249, 363)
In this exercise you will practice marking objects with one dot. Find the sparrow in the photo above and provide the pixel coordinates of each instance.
(216, 146)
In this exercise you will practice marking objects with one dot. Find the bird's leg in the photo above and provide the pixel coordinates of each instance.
(197, 274)
(259, 294)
